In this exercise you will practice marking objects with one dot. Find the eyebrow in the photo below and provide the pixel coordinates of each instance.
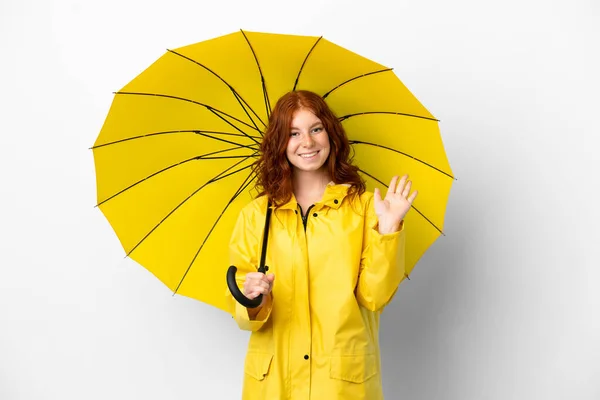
(312, 126)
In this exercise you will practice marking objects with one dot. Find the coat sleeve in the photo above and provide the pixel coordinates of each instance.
(382, 266)
(243, 250)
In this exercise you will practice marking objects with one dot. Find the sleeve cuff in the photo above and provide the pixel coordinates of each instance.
(255, 323)
(386, 236)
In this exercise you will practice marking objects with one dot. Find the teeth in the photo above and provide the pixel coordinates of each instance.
(308, 155)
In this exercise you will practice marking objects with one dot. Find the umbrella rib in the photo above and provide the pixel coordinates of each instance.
(262, 77)
(197, 131)
(352, 142)
(200, 157)
(242, 187)
(209, 108)
(238, 96)
(201, 133)
(235, 127)
(345, 117)
(415, 208)
(246, 111)
(218, 177)
(355, 78)
(304, 62)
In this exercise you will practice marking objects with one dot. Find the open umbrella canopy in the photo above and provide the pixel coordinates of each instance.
(173, 158)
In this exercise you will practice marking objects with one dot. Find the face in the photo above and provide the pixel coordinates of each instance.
(308, 145)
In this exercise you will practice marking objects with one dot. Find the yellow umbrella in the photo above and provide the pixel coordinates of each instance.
(173, 158)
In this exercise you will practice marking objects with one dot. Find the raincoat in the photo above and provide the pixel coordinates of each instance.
(316, 337)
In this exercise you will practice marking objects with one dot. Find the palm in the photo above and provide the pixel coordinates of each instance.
(392, 209)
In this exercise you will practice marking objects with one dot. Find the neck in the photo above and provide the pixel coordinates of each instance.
(310, 184)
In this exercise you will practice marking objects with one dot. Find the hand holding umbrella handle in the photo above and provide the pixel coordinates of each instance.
(231, 282)
(237, 293)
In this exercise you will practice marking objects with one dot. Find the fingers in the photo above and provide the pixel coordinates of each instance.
(252, 283)
(257, 283)
(377, 195)
(400, 188)
(412, 197)
(255, 292)
(406, 190)
(255, 275)
(392, 188)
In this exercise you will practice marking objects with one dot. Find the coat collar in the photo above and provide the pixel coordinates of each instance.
(332, 197)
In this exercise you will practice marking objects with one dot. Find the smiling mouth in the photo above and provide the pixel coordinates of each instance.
(309, 155)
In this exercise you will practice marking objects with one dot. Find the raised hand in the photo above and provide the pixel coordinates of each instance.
(393, 208)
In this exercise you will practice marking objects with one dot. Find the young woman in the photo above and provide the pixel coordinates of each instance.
(335, 255)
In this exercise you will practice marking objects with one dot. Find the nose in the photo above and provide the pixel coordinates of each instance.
(308, 141)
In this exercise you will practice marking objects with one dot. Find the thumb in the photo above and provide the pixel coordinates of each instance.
(271, 277)
(377, 195)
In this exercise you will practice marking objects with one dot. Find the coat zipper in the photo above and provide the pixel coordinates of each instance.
(305, 222)
(305, 217)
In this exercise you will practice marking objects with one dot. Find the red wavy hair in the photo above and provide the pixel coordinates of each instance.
(274, 171)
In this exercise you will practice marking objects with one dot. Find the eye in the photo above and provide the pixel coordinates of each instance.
(293, 134)
(318, 129)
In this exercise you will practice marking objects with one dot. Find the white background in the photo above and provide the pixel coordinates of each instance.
(505, 306)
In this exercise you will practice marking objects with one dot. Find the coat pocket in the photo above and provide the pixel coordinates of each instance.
(354, 368)
(257, 365)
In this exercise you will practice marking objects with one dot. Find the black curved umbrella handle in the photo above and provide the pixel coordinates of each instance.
(237, 293)
(231, 282)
